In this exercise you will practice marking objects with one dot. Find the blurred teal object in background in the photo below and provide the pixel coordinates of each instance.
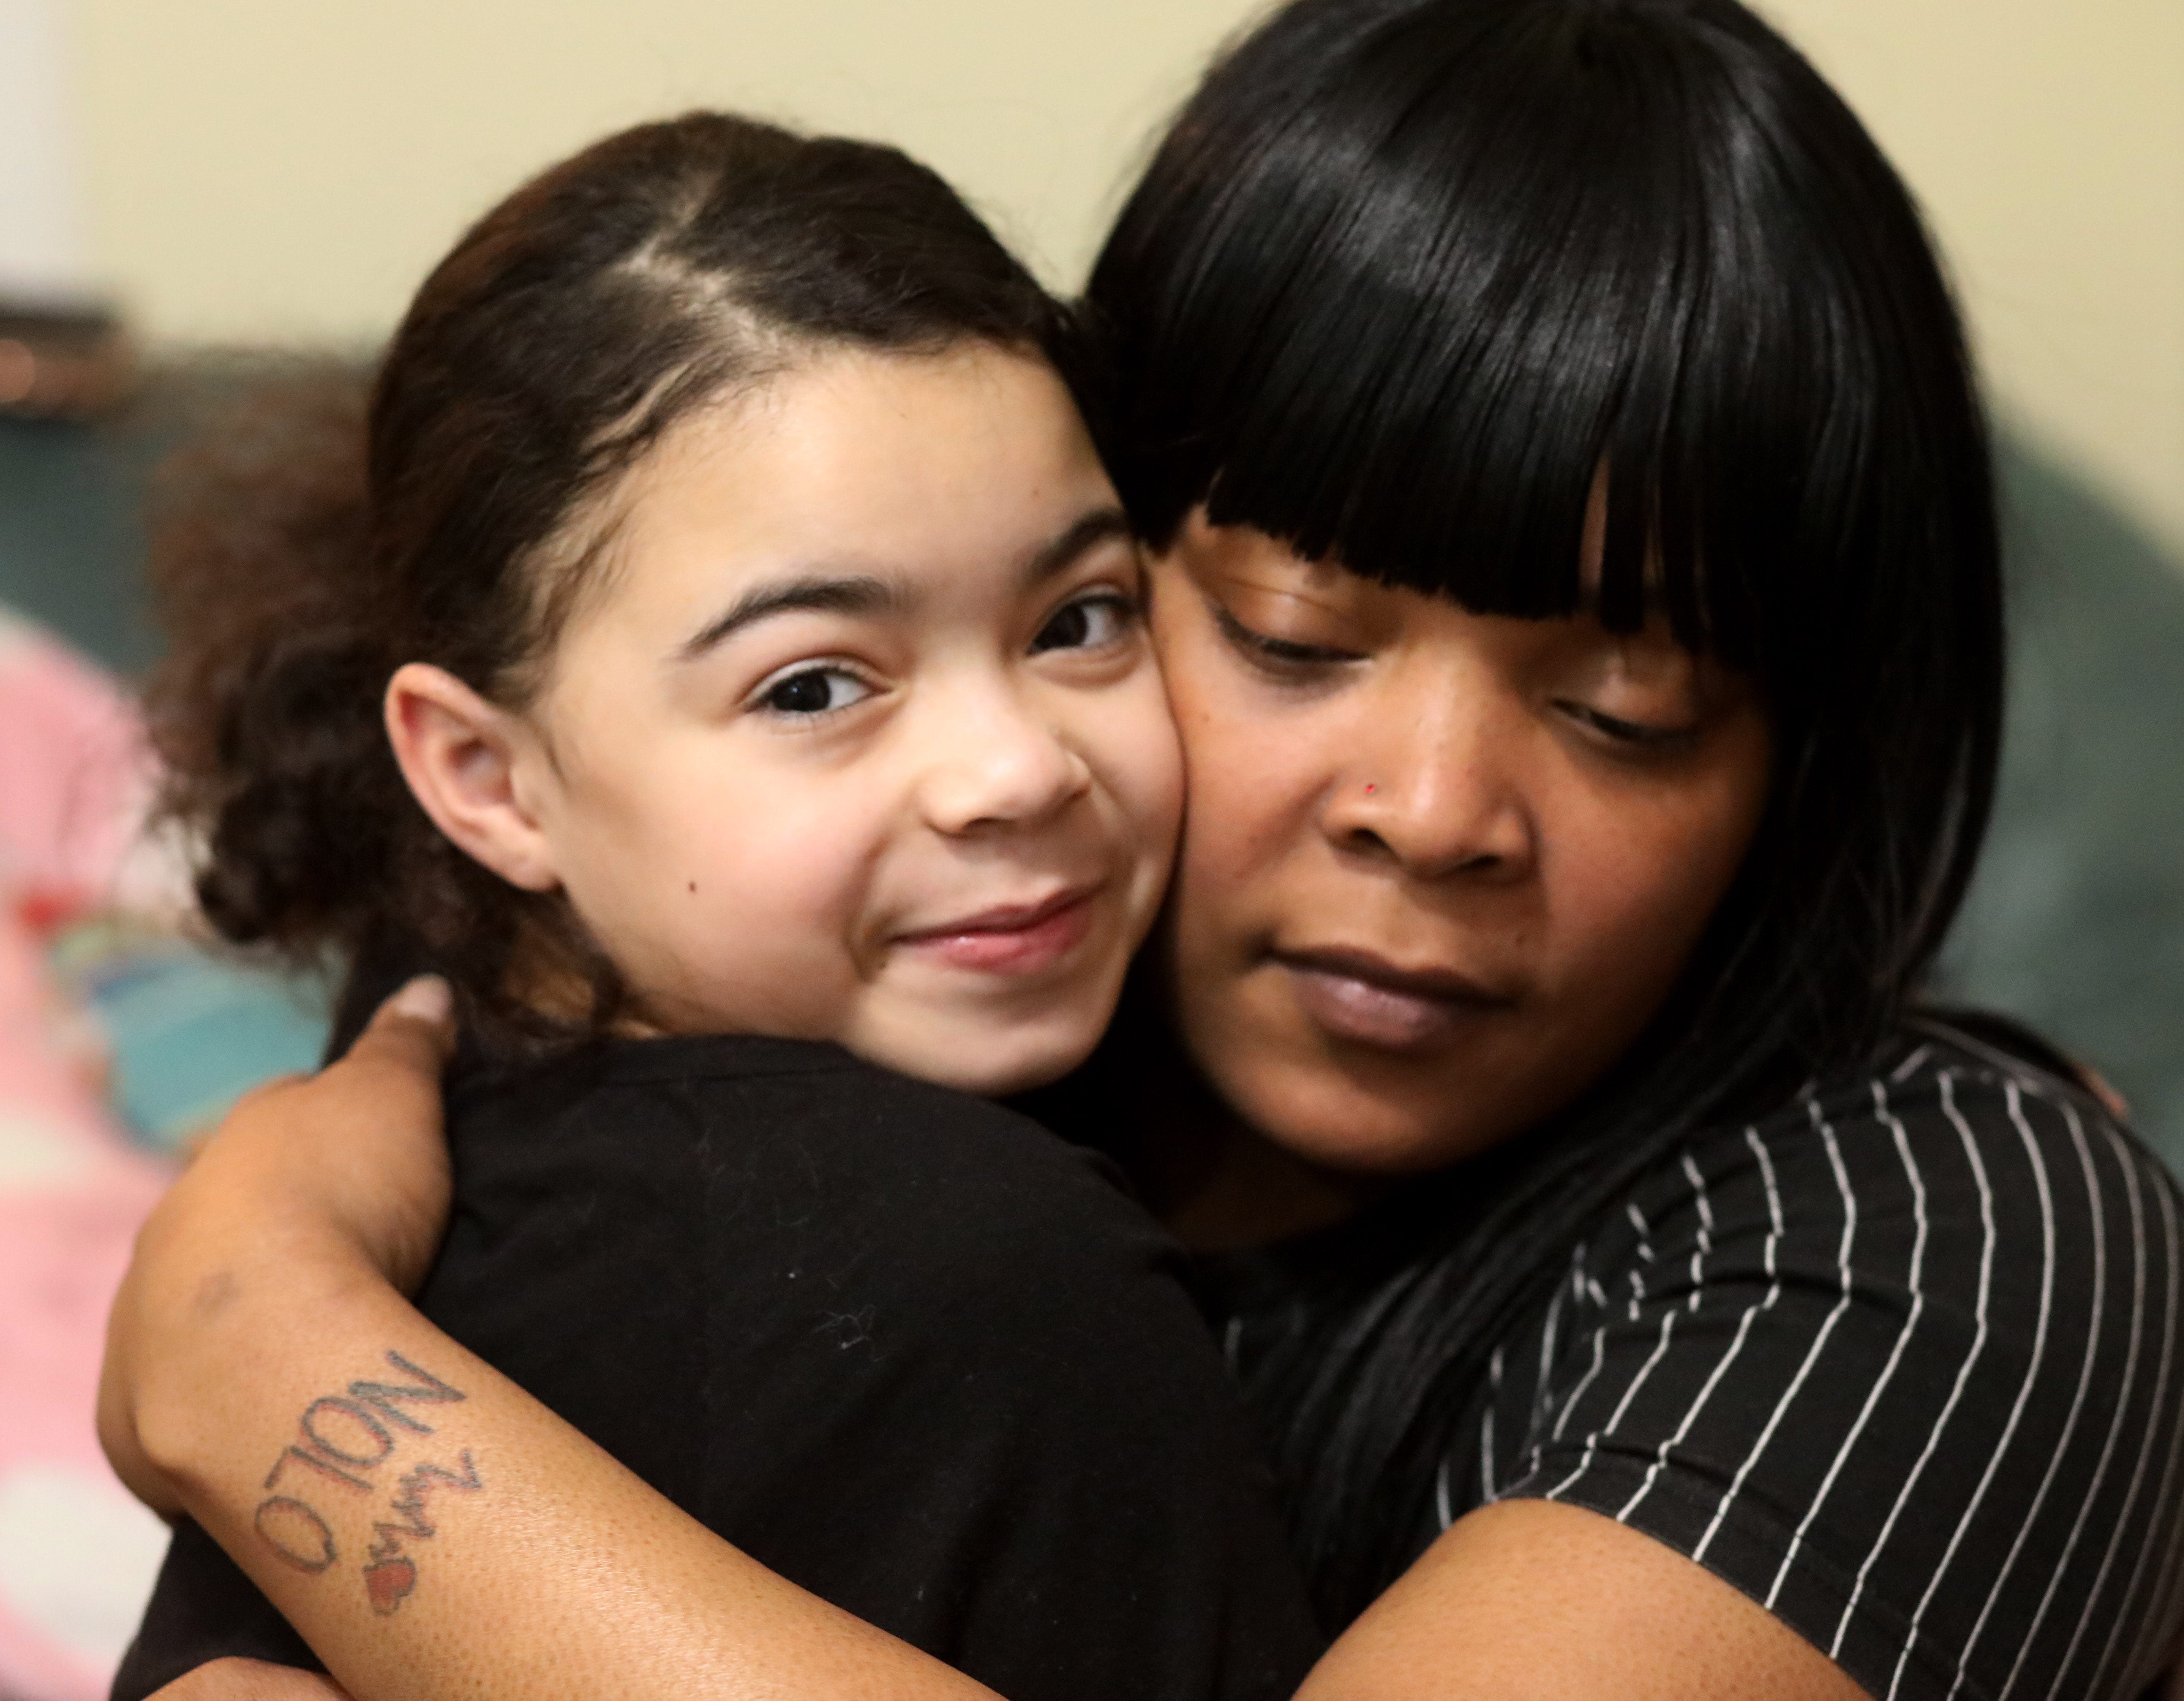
(2076, 924)
(187, 1031)
(71, 539)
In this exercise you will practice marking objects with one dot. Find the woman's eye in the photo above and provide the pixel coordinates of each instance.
(813, 691)
(1278, 653)
(1090, 622)
(1638, 734)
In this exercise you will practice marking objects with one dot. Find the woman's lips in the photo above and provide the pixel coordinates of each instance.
(1018, 940)
(1357, 996)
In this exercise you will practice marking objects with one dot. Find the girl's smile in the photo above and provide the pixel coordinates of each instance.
(856, 734)
(1020, 940)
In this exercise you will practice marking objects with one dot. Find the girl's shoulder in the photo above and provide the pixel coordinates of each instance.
(700, 1127)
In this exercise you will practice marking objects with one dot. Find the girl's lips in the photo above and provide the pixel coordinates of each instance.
(1018, 941)
(1368, 1001)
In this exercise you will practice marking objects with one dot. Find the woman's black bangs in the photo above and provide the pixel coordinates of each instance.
(1413, 345)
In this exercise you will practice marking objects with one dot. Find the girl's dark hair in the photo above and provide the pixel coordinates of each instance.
(1405, 275)
(308, 552)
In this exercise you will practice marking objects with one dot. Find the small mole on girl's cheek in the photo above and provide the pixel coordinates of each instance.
(693, 886)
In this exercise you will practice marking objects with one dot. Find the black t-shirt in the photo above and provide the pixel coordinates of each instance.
(1902, 1362)
(903, 1346)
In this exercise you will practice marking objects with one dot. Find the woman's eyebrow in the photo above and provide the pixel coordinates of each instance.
(1084, 534)
(854, 595)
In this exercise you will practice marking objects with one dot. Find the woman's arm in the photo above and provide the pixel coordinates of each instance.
(1531, 1598)
(430, 1529)
(250, 1680)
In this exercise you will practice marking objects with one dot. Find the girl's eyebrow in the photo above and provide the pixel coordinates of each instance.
(1084, 534)
(857, 594)
(862, 594)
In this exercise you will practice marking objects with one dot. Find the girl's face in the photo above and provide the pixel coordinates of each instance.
(1440, 867)
(859, 736)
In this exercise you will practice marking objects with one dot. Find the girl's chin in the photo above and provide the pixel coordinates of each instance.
(984, 1059)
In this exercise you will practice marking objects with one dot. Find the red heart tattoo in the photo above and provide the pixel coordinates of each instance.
(389, 1583)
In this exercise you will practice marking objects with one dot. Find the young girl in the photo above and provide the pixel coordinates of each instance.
(722, 626)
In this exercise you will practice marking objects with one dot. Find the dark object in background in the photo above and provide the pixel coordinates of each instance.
(61, 361)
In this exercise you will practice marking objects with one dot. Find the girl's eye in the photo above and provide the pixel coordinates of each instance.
(1090, 622)
(812, 691)
(1638, 734)
(1278, 654)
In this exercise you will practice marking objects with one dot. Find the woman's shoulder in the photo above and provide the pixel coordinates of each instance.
(1951, 1148)
(1900, 1359)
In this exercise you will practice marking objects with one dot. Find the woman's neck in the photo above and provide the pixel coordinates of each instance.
(1215, 1182)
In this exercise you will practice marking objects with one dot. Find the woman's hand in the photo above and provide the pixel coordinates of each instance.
(251, 1680)
(322, 1178)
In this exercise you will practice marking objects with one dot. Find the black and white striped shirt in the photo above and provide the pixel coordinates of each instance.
(1901, 1363)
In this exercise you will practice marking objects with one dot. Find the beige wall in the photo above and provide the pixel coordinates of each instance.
(2046, 138)
(286, 168)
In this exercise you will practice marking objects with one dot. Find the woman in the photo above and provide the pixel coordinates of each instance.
(1576, 580)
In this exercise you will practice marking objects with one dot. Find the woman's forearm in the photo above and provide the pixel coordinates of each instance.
(431, 1531)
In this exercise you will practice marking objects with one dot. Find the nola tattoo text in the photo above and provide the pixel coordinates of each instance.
(342, 1442)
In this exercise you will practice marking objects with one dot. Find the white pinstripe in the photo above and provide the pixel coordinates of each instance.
(1569, 1405)
(1819, 1340)
(1599, 1350)
(2085, 1506)
(2153, 1422)
(1543, 1382)
(1592, 1441)
(2098, 1215)
(1706, 1228)
(1946, 1081)
(1736, 1345)
(2163, 1631)
(2159, 1641)
(2014, 1099)
(1773, 1197)
(1910, 1066)
(1485, 1437)
(1888, 1372)
(2138, 1470)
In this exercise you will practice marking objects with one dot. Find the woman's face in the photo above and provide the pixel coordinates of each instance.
(1438, 869)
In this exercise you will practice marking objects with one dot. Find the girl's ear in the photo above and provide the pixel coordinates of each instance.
(464, 758)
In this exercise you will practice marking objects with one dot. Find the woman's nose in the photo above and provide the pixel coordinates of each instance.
(1439, 799)
(994, 763)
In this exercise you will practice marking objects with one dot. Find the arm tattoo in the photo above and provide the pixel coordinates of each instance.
(343, 1438)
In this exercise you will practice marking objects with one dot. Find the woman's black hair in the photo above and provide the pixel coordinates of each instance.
(1403, 279)
(454, 517)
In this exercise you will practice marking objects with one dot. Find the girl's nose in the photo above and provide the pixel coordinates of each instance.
(1437, 798)
(995, 764)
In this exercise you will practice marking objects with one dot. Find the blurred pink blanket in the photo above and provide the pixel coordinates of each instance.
(75, 1552)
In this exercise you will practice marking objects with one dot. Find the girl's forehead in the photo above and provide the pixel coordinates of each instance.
(930, 476)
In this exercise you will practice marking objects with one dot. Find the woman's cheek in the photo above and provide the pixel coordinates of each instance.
(1645, 876)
